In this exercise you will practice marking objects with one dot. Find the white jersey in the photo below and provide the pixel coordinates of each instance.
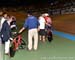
(42, 22)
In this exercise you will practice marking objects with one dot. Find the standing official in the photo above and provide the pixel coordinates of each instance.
(32, 25)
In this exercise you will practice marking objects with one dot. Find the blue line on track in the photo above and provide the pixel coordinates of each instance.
(64, 35)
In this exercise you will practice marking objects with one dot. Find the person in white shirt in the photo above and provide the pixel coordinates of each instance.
(42, 28)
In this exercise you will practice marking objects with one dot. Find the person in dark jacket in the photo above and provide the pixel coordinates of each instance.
(5, 33)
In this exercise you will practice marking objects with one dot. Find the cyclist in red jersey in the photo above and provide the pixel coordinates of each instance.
(48, 27)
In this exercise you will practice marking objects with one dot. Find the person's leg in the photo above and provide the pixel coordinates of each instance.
(1, 50)
(43, 38)
(7, 46)
(40, 37)
(50, 36)
(35, 39)
(30, 35)
(43, 35)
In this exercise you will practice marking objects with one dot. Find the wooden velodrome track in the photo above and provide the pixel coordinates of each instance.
(64, 23)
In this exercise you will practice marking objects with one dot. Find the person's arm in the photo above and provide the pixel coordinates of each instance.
(24, 27)
(38, 28)
(38, 25)
(21, 30)
(48, 24)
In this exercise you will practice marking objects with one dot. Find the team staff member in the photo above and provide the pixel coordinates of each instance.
(33, 26)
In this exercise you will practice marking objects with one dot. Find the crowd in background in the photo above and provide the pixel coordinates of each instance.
(51, 9)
